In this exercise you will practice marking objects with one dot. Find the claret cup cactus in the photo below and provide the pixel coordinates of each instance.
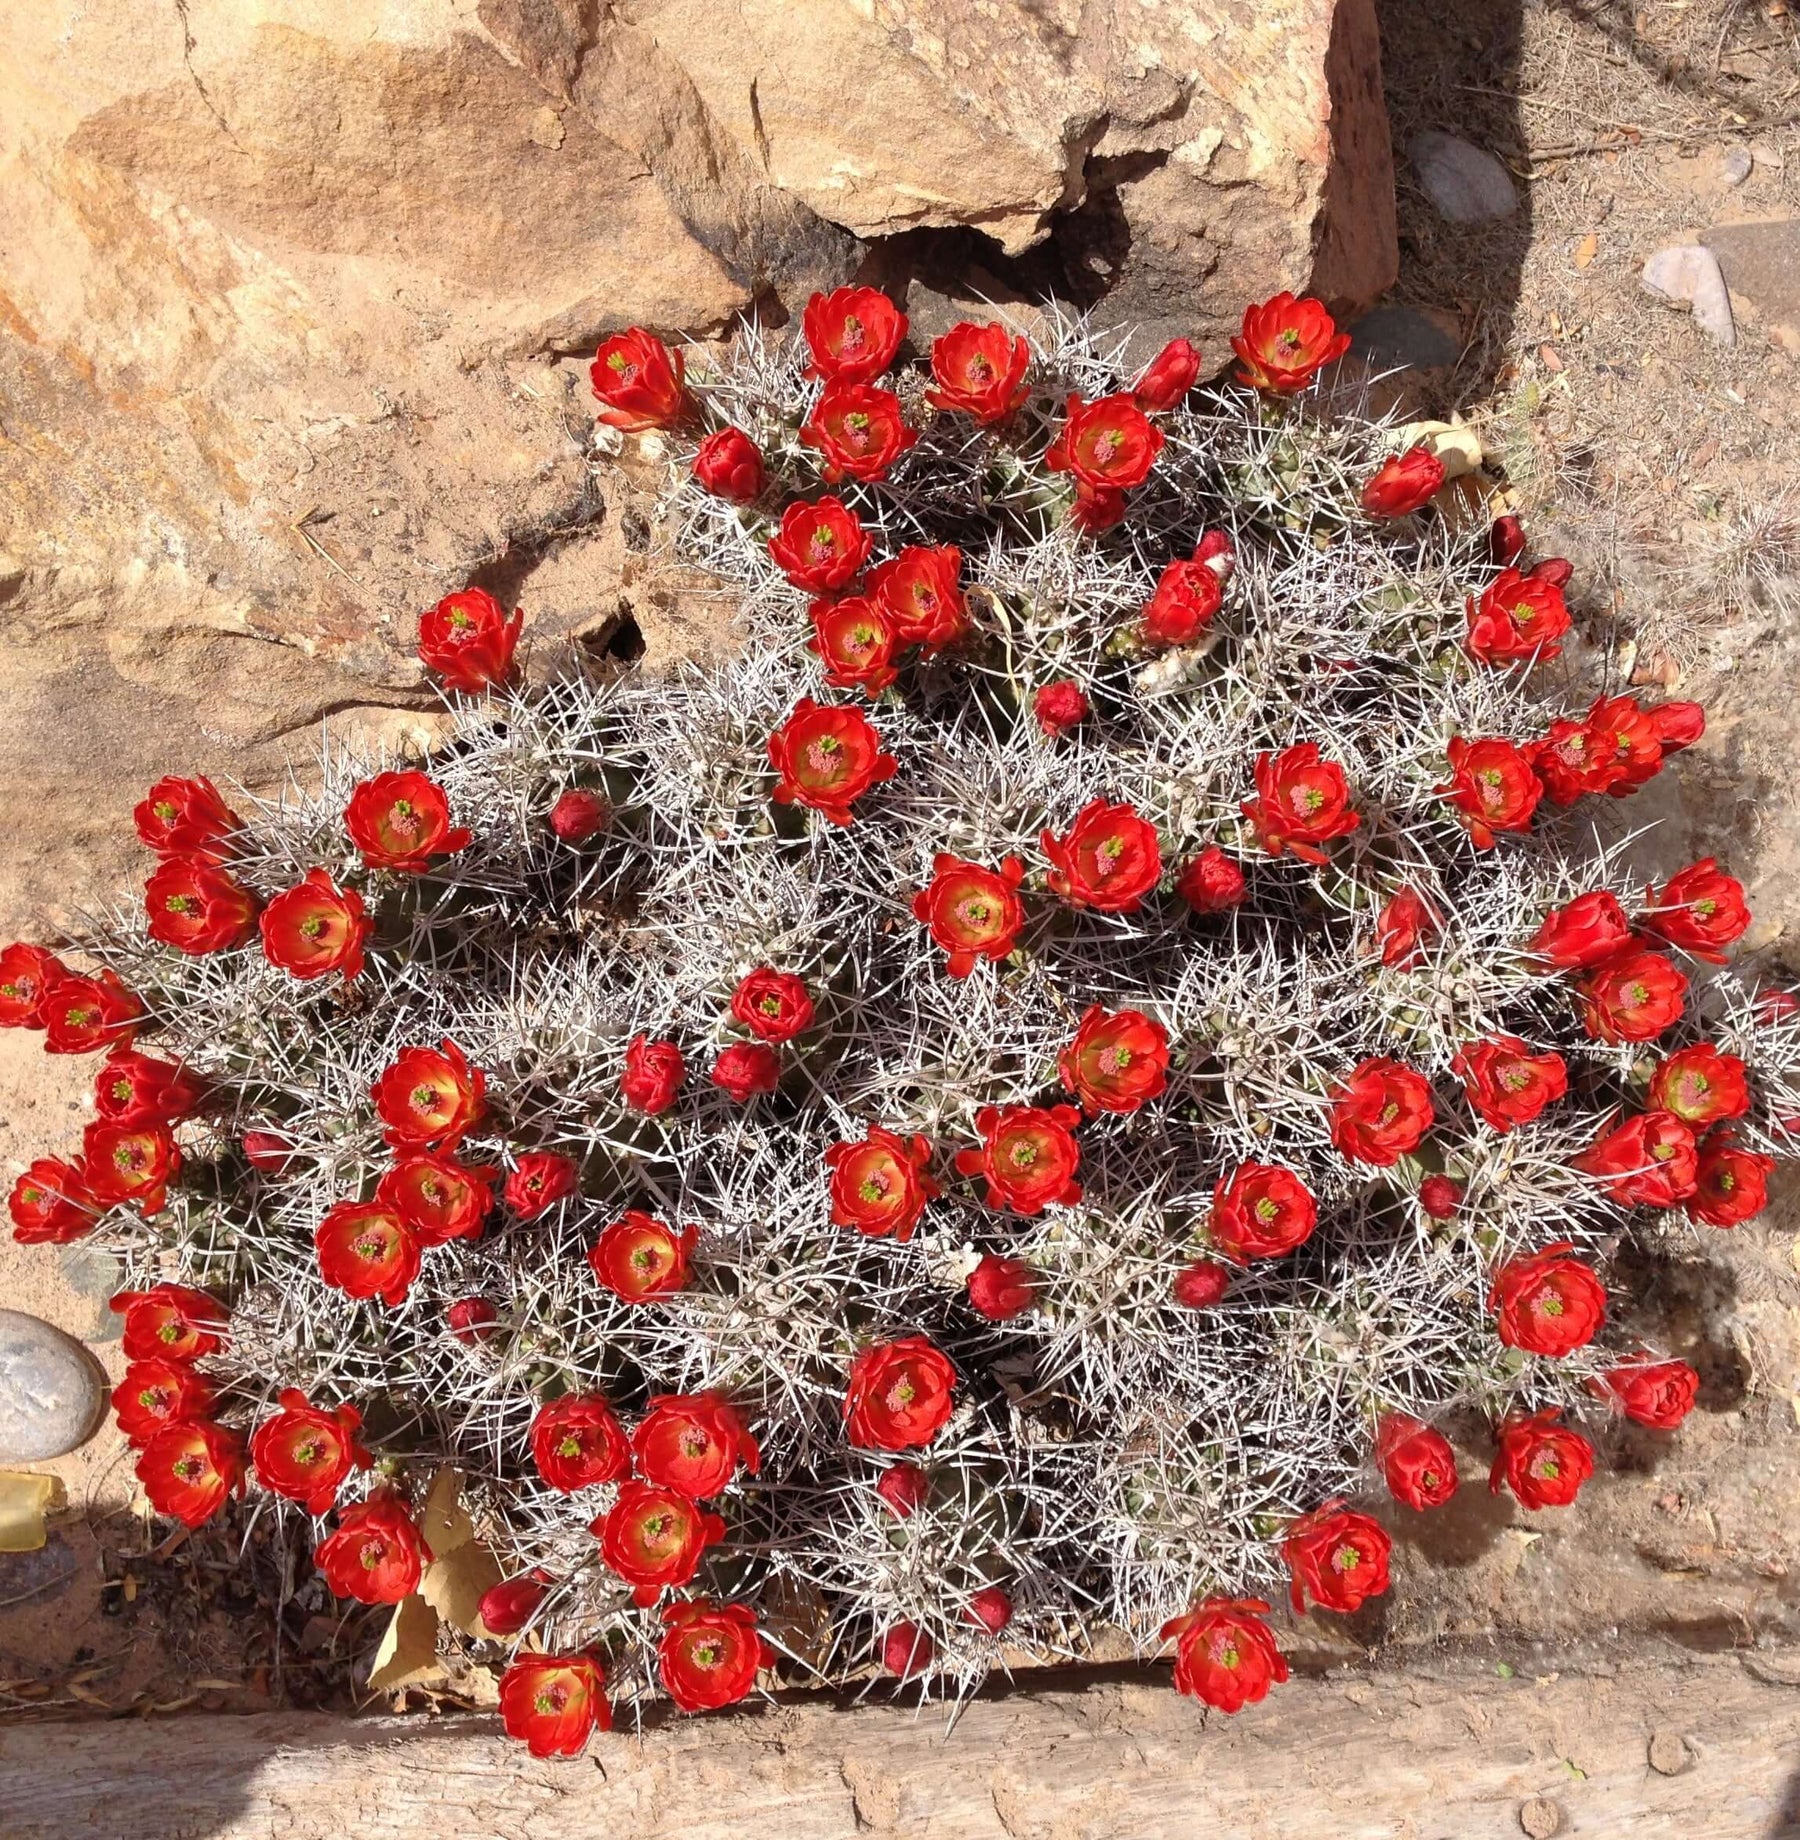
(1028, 1099)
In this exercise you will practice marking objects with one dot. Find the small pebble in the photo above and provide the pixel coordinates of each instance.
(1734, 169)
(52, 1391)
(1540, 1817)
(1687, 274)
(1668, 1753)
(1466, 184)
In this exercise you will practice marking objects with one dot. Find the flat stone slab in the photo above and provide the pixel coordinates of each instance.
(1403, 336)
(1687, 275)
(52, 1391)
(1761, 265)
(1465, 183)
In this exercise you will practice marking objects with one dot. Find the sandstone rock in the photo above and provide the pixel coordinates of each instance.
(1761, 266)
(1687, 274)
(52, 1391)
(1466, 184)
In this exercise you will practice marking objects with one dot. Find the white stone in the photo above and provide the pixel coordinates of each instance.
(52, 1391)
(1466, 184)
(1687, 275)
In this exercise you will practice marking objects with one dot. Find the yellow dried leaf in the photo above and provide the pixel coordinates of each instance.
(407, 1656)
(453, 1586)
(444, 1521)
(1456, 444)
(25, 1498)
(1586, 250)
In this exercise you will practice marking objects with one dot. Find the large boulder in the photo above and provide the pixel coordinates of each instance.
(293, 298)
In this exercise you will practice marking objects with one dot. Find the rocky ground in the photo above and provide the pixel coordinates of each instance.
(1629, 436)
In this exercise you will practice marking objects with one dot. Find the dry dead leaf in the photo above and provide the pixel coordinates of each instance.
(407, 1656)
(25, 1498)
(1586, 250)
(1456, 444)
(454, 1585)
(1552, 358)
(444, 1521)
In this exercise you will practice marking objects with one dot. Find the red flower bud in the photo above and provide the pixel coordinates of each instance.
(1440, 1197)
(1404, 484)
(907, 1651)
(639, 382)
(1001, 1289)
(992, 1608)
(1285, 343)
(506, 1608)
(1406, 923)
(539, 1180)
(1058, 707)
(472, 1320)
(1212, 883)
(652, 1076)
(1167, 378)
(905, 1488)
(1656, 1394)
(1202, 1284)
(1589, 929)
(729, 465)
(1506, 540)
(1678, 725)
(1186, 598)
(745, 1069)
(579, 814)
(468, 640)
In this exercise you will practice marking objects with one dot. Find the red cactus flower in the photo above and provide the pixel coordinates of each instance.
(1678, 725)
(652, 1076)
(551, 1703)
(1212, 883)
(774, 1005)
(439, 1198)
(854, 640)
(1416, 1461)
(1000, 1289)
(50, 1204)
(899, 1394)
(1167, 378)
(133, 1088)
(400, 821)
(129, 1162)
(979, 370)
(377, 1554)
(316, 928)
(827, 756)
(429, 1097)
(1493, 788)
(1406, 924)
(709, 1654)
(189, 1469)
(1381, 1111)
(654, 1538)
(1226, 1656)
(907, 1651)
(1540, 1460)
(1624, 745)
(1109, 860)
(852, 333)
(880, 1186)
(693, 1443)
(905, 1488)
(1028, 1156)
(1059, 707)
(1730, 1183)
(539, 1180)
(170, 1322)
(1565, 761)
(187, 817)
(990, 1608)
(920, 591)
(1261, 1211)
(1285, 343)
(638, 1258)
(507, 1608)
(1109, 445)
(1632, 996)
(1700, 1086)
(1655, 1394)
(367, 1250)
(1301, 802)
(1590, 929)
(1186, 598)
(1549, 1303)
(1116, 1061)
(468, 640)
(1202, 1284)
(972, 912)
(1507, 1084)
(305, 1453)
(1647, 1161)
(1699, 910)
(1404, 484)
(579, 814)
(196, 907)
(730, 466)
(576, 1442)
(472, 1320)
(820, 547)
(156, 1393)
(1518, 617)
(26, 974)
(1096, 508)
(639, 382)
(745, 1069)
(1337, 1557)
(1441, 1198)
(859, 431)
(84, 1013)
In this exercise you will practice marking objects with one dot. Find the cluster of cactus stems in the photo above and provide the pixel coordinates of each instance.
(1136, 1436)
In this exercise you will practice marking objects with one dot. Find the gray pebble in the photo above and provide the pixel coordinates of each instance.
(1403, 336)
(52, 1391)
(1734, 169)
(1687, 274)
(1466, 184)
